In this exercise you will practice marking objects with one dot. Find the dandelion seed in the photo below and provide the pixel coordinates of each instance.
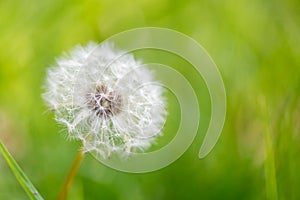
(105, 100)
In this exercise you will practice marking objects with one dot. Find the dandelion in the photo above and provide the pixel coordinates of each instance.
(106, 99)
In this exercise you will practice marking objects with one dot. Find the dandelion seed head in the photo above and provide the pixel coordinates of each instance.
(106, 99)
(104, 102)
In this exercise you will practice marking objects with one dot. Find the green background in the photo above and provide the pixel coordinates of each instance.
(256, 46)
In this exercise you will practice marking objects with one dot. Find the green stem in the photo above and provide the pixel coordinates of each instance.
(72, 173)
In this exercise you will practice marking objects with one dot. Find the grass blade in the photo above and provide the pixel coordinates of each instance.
(20, 175)
(270, 169)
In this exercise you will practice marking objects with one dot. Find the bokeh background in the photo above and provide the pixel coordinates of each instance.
(256, 46)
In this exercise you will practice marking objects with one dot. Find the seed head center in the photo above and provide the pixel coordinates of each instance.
(104, 102)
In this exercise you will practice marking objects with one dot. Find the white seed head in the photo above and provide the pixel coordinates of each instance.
(106, 99)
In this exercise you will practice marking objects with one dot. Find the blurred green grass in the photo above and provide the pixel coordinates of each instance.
(256, 47)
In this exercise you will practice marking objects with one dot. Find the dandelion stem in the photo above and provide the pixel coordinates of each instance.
(72, 173)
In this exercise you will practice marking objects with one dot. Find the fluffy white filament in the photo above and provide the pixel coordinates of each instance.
(105, 99)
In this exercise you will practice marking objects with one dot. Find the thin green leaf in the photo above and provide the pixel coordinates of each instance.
(270, 169)
(20, 175)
